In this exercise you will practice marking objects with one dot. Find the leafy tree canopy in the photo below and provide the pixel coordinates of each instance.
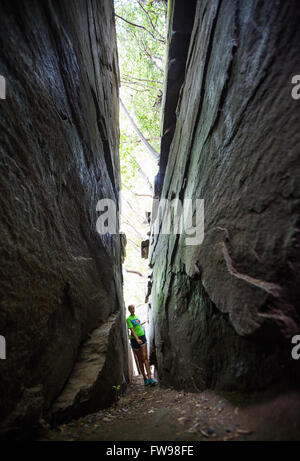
(141, 31)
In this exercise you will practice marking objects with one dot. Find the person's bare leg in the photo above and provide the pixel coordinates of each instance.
(141, 364)
(137, 362)
(144, 357)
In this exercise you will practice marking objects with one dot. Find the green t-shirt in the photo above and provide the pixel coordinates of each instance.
(135, 323)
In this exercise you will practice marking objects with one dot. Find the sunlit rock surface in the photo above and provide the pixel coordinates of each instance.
(224, 311)
(60, 279)
(97, 367)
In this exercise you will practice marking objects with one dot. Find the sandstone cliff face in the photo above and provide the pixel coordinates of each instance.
(60, 279)
(223, 312)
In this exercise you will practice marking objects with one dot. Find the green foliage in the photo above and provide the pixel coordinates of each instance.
(128, 165)
(141, 59)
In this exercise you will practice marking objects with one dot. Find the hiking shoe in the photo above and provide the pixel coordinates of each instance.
(151, 382)
(146, 381)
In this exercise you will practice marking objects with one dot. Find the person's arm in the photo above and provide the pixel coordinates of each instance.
(136, 336)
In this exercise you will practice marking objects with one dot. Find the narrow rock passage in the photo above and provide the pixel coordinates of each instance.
(158, 414)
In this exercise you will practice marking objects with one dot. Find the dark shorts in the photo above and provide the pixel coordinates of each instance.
(135, 345)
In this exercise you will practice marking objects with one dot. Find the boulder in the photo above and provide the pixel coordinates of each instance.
(60, 280)
(95, 375)
(232, 299)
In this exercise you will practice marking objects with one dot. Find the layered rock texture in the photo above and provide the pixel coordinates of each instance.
(224, 311)
(60, 280)
(90, 384)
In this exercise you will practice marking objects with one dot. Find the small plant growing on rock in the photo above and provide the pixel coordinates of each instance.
(117, 391)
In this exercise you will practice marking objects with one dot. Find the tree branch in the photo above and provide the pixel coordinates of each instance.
(150, 21)
(142, 172)
(132, 226)
(136, 141)
(142, 79)
(135, 272)
(135, 245)
(134, 193)
(131, 207)
(144, 85)
(136, 89)
(149, 56)
(140, 27)
(150, 149)
(142, 195)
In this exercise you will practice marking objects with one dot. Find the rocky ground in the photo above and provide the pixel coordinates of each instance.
(159, 414)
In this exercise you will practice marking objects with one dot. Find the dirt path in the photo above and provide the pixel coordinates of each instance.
(158, 414)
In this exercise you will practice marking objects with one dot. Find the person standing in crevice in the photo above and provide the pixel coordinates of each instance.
(139, 345)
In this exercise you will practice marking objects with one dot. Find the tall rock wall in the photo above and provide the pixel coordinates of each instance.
(224, 311)
(60, 280)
